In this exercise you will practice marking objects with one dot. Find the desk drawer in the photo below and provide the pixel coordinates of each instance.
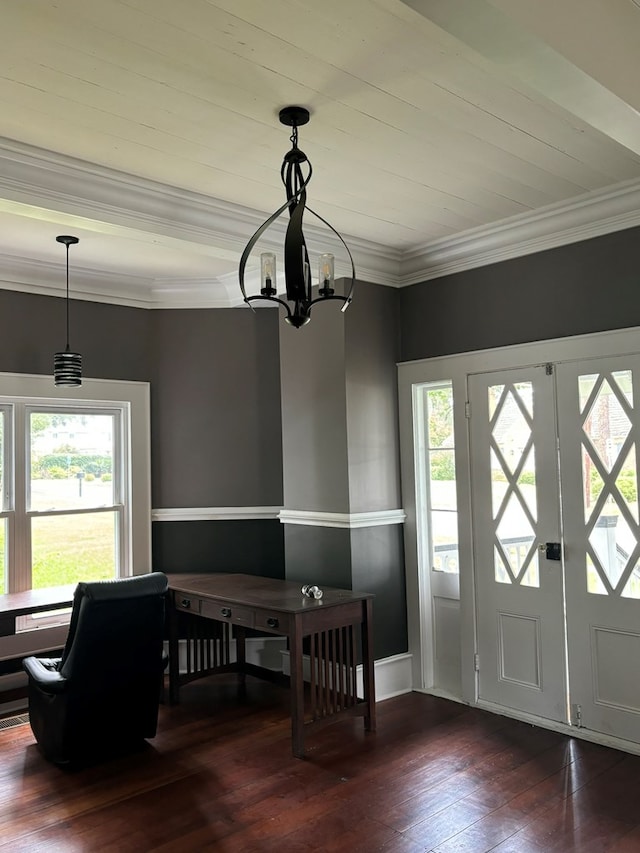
(276, 622)
(228, 612)
(187, 603)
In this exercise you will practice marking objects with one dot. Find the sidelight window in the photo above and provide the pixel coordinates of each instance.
(437, 477)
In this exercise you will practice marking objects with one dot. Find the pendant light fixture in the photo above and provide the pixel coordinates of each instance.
(67, 365)
(297, 269)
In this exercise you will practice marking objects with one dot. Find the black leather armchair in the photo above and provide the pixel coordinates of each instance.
(103, 693)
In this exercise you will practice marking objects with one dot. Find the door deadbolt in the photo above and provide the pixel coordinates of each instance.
(552, 550)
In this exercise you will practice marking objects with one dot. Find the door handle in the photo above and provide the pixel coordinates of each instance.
(551, 550)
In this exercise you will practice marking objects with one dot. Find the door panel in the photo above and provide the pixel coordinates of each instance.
(599, 428)
(515, 506)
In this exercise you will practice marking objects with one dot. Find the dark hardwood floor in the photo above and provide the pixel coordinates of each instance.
(219, 776)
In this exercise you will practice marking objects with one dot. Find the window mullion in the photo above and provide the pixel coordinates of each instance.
(20, 563)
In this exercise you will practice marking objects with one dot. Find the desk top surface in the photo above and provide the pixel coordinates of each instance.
(36, 600)
(255, 591)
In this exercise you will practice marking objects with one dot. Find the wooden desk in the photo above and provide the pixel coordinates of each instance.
(211, 608)
(14, 604)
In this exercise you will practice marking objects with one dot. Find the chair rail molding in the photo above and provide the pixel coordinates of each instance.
(216, 513)
(349, 520)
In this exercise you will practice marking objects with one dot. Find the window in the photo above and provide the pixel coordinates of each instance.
(74, 476)
(76, 494)
(436, 477)
(4, 493)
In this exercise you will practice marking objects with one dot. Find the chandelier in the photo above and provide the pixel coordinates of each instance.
(297, 269)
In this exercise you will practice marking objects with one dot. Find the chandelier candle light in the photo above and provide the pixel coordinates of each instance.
(67, 365)
(297, 270)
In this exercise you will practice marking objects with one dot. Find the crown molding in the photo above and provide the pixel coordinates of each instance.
(590, 215)
(108, 201)
(35, 182)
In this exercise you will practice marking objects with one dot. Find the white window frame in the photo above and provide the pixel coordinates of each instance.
(121, 475)
(33, 392)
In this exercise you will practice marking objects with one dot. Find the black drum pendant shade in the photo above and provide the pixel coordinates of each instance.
(67, 365)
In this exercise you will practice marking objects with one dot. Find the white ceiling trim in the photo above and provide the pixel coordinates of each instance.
(38, 183)
(591, 215)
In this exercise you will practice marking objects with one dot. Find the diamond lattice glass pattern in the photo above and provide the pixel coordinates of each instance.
(593, 483)
(586, 384)
(532, 575)
(511, 431)
(513, 483)
(610, 487)
(527, 483)
(632, 587)
(595, 586)
(501, 573)
(606, 425)
(605, 537)
(515, 534)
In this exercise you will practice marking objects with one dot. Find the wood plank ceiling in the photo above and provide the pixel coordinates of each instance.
(431, 119)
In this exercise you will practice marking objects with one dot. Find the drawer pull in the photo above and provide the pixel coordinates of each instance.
(186, 603)
(272, 622)
(225, 611)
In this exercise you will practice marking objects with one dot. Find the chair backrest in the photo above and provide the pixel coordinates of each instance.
(116, 631)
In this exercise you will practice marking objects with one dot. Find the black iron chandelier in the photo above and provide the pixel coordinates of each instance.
(67, 365)
(297, 270)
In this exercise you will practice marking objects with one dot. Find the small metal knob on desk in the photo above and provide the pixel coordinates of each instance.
(272, 622)
(185, 603)
(225, 611)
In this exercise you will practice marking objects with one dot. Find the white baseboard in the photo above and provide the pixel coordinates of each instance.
(392, 675)
(571, 731)
(552, 725)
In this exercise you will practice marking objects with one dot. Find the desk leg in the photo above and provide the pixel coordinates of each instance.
(174, 657)
(367, 666)
(297, 690)
(241, 651)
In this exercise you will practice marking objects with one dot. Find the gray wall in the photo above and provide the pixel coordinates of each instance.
(340, 436)
(252, 547)
(372, 347)
(216, 438)
(314, 437)
(114, 340)
(215, 404)
(587, 287)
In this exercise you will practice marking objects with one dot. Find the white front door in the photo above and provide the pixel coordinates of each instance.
(599, 430)
(515, 509)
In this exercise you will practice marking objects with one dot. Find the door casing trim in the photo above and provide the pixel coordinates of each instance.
(457, 368)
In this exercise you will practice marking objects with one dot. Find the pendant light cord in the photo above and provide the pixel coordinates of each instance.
(67, 350)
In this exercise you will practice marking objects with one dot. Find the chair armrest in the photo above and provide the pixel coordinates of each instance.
(44, 674)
